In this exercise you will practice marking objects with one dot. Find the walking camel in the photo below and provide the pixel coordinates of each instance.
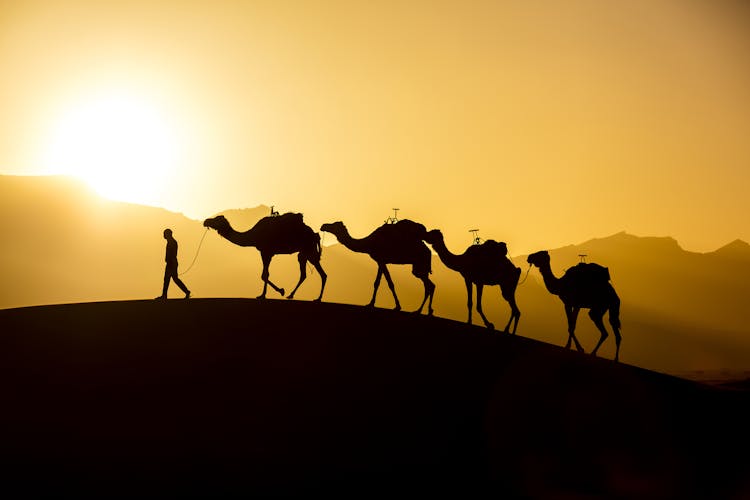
(480, 265)
(587, 286)
(396, 243)
(277, 234)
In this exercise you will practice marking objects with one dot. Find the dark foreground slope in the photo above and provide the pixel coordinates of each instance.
(236, 396)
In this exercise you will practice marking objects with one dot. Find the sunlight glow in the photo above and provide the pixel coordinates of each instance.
(120, 145)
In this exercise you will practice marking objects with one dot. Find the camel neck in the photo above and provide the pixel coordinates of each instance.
(245, 239)
(451, 260)
(551, 281)
(353, 244)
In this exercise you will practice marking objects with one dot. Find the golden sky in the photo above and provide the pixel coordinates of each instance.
(541, 123)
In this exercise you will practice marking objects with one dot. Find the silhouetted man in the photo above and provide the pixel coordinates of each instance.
(170, 271)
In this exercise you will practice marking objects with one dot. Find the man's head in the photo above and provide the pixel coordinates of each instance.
(167, 233)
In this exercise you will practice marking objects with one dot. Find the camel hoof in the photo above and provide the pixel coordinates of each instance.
(490, 326)
(290, 297)
(319, 299)
(281, 291)
(260, 297)
(397, 308)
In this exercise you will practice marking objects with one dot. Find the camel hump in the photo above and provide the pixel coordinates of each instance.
(287, 223)
(291, 218)
(410, 227)
(404, 228)
(498, 248)
(588, 271)
(489, 252)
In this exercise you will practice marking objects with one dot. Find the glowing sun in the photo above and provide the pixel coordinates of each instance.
(121, 145)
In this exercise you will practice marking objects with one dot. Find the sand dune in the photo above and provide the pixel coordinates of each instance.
(225, 396)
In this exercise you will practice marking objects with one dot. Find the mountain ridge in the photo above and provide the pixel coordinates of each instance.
(59, 181)
(736, 249)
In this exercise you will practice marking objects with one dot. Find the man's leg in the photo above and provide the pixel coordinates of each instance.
(165, 287)
(180, 284)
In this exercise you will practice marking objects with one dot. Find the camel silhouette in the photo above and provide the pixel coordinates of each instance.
(587, 286)
(392, 243)
(277, 234)
(482, 264)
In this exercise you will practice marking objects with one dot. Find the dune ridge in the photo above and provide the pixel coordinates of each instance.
(240, 396)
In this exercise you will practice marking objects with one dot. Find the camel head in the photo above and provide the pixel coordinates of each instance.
(219, 223)
(433, 236)
(539, 259)
(335, 228)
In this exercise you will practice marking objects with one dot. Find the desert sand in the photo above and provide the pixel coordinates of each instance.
(224, 397)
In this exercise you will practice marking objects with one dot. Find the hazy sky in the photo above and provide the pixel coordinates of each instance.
(541, 123)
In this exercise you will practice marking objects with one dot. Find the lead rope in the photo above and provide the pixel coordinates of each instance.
(527, 271)
(527, 275)
(196, 254)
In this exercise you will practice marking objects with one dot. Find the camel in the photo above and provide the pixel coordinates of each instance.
(277, 234)
(392, 243)
(482, 264)
(587, 286)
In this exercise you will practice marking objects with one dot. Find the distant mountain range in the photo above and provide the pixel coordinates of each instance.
(681, 311)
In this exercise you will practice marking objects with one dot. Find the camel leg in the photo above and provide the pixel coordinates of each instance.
(376, 285)
(614, 321)
(429, 290)
(570, 319)
(515, 313)
(480, 289)
(264, 276)
(323, 278)
(618, 338)
(597, 316)
(302, 274)
(388, 279)
(572, 313)
(422, 271)
(469, 293)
